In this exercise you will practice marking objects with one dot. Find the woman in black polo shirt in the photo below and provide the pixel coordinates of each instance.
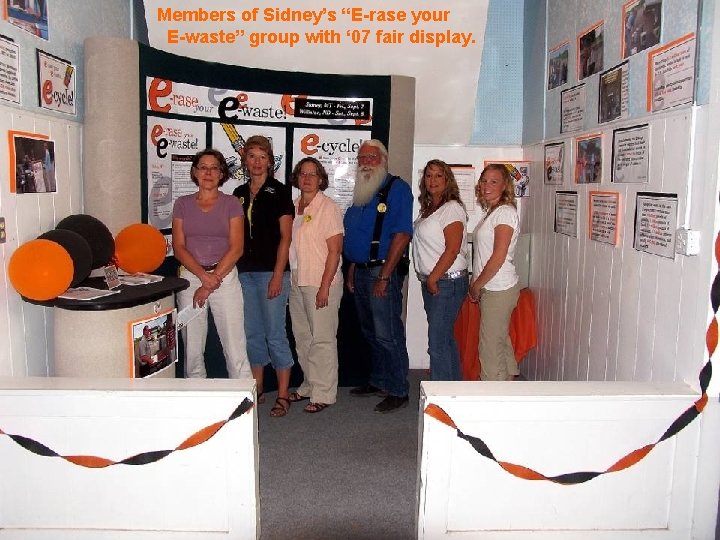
(264, 270)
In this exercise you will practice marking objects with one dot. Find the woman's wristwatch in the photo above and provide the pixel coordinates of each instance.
(382, 278)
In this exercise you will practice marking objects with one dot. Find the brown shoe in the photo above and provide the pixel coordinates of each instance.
(315, 407)
(281, 407)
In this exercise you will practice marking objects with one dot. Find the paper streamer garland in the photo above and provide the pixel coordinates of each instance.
(632, 458)
(95, 462)
(579, 477)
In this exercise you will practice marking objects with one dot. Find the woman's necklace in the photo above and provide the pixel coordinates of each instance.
(430, 210)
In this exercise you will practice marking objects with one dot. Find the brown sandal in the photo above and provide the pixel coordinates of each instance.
(295, 397)
(281, 407)
(315, 407)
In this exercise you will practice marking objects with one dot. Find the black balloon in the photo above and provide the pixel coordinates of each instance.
(78, 249)
(95, 233)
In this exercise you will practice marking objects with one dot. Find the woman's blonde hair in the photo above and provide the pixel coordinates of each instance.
(451, 193)
(262, 143)
(508, 195)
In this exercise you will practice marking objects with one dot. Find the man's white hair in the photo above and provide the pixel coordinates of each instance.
(375, 143)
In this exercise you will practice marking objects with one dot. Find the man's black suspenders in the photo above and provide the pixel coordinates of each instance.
(404, 264)
(379, 218)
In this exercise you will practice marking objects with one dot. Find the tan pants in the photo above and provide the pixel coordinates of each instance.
(315, 332)
(497, 358)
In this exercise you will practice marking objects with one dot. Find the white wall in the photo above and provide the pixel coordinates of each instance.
(26, 330)
(28, 345)
(610, 312)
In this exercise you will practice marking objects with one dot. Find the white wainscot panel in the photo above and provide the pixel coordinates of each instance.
(208, 490)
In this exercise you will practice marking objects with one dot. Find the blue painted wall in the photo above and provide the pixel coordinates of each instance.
(499, 101)
(70, 22)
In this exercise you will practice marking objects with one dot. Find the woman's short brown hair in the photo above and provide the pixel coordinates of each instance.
(224, 170)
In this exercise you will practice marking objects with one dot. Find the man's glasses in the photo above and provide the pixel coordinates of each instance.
(368, 158)
(210, 169)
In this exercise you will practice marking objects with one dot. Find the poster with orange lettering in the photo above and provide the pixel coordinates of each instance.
(184, 118)
(337, 151)
(171, 145)
(56, 83)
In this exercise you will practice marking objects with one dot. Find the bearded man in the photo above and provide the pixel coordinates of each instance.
(378, 228)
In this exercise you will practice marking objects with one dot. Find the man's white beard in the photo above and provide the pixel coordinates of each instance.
(367, 183)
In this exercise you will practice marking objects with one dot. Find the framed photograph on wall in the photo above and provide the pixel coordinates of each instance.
(604, 216)
(152, 344)
(32, 163)
(558, 58)
(590, 50)
(588, 159)
(631, 155)
(641, 23)
(613, 94)
(554, 164)
(29, 16)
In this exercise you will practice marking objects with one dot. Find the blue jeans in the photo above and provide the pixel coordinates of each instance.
(442, 309)
(265, 329)
(383, 329)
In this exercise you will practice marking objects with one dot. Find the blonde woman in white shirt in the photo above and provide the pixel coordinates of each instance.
(440, 260)
(495, 283)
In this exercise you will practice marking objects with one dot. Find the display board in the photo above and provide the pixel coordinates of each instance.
(141, 132)
(192, 104)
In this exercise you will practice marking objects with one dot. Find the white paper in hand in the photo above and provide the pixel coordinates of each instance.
(188, 314)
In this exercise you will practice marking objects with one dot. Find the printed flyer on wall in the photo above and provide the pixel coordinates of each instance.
(604, 216)
(554, 164)
(56, 83)
(631, 159)
(671, 74)
(566, 213)
(9, 70)
(656, 223)
(337, 151)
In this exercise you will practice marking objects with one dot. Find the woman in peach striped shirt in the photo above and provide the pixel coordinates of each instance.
(316, 285)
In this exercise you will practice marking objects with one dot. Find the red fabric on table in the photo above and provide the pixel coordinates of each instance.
(523, 333)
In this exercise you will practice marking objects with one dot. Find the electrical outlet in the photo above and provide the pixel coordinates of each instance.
(3, 233)
(687, 242)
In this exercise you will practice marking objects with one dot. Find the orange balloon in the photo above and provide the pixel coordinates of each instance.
(40, 269)
(140, 248)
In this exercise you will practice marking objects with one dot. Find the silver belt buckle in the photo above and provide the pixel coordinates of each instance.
(455, 275)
